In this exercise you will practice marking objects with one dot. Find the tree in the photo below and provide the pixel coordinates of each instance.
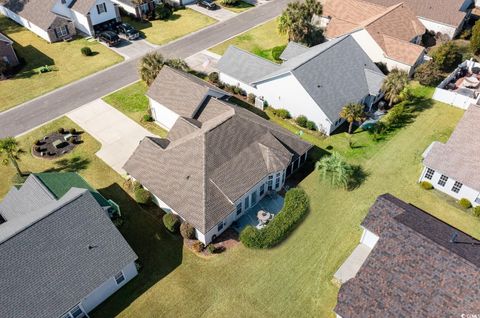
(179, 64)
(296, 22)
(447, 56)
(428, 74)
(394, 84)
(336, 170)
(163, 11)
(352, 112)
(149, 67)
(475, 39)
(9, 151)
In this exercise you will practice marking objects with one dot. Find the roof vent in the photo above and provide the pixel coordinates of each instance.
(453, 238)
(187, 177)
(91, 247)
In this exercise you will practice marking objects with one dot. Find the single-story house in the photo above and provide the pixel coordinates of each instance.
(440, 16)
(416, 266)
(218, 159)
(135, 9)
(61, 257)
(316, 82)
(7, 53)
(57, 20)
(389, 35)
(454, 167)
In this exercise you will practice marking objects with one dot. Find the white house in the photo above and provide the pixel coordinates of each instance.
(390, 35)
(454, 167)
(316, 82)
(56, 20)
(218, 160)
(137, 10)
(61, 257)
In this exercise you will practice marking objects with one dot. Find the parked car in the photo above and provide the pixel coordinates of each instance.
(109, 37)
(208, 4)
(128, 31)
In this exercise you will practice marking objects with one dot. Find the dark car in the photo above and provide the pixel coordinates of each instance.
(109, 37)
(130, 32)
(208, 4)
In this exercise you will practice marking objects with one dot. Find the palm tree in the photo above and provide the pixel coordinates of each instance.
(10, 152)
(149, 66)
(336, 170)
(296, 19)
(352, 112)
(394, 85)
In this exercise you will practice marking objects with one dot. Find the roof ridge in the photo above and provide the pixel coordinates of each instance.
(43, 186)
(400, 40)
(376, 18)
(253, 55)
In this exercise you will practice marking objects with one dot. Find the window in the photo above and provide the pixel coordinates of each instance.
(429, 174)
(64, 1)
(75, 312)
(283, 177)
(119, 278)
(270, 183)
(443, 180)
(220, 226)
(456, 187)
(247, 202)
(262, 189)
(101, 8)
(277, 182)
(239, 208)
(61, 31)
(254, 197)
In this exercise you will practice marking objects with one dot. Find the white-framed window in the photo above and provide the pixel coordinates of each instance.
(429, 174)
(61, 31)
(456, 187)
(443, 180)
(75, 312)
(220, 226)
(277, 181)
(239, 208)
(270, 183)
(119, 278)
(101, 8)
(254, 197)
(262, 189)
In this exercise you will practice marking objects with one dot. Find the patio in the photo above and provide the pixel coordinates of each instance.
(272, 204)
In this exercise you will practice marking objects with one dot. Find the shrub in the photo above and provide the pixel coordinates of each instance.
(163, 11)
(213, 77)
(295, 208)
(86, 51)
(426, 185)
(171, 222)
(187, 231)
(283, 113)
(142, 196)
(428, 74)
(465, 203)
(311, 125)
(211, 248)
(147, 118)
(229, 2)
(277, 51)
(447, 56)
(61, 130)
(394, 115)
(251, 98)
(198, 246)
(73, 131)
(178, 64)
(475, 39)
(476, 211)
(301, 121)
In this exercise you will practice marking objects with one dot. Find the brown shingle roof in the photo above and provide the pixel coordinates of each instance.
(37, 12)
(414, 270)
(459, 157)
(82, 6)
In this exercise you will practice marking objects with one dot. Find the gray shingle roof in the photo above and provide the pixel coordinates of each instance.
(47, 266)
(292, 50)
(459, 157)
(82, 6)
(414, 270)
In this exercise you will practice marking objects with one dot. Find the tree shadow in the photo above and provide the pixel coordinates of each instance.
(31, 59)
(359, 176)
(159, 252)
(75, 164)
(307, 168)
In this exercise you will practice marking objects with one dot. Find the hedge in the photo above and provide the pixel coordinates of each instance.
(295, 207)
(171, 222)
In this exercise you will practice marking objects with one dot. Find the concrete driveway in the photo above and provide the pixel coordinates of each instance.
(205, 61)
(118, 134)
(133, 49)
(220, 14)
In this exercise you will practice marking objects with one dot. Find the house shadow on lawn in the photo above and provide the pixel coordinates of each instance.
(159, 252)
(31, 59)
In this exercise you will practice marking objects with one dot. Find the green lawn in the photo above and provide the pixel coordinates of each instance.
(259, 40)
(69, 63)
(240, 7)
(132, 101)
(181, 23)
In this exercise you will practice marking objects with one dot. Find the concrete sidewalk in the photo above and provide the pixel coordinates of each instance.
(352, 264)
(118, 134)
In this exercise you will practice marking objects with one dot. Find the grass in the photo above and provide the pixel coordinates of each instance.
(240, 7)
(69, 63)
(132, 101)
(259, 40)
(181, 23)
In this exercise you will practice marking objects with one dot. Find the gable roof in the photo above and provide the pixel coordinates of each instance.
(4, 38)
(82, 6)
(211, 159)
(414, 270)
(443, 11)
(293, 49)
(47, 257)
(332, 73)
(459, 157)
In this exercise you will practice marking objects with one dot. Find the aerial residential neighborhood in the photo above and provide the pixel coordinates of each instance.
(246, 158)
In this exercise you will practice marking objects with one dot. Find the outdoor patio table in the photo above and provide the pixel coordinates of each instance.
(263, 216)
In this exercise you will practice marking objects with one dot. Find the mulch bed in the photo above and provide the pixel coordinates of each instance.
(55, 145)
(228, 239)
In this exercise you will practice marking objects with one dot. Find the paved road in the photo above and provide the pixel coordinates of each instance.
(36, 112)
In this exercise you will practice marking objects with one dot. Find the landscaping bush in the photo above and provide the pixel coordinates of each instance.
(475, 39)
(282, 113)
(187, 231)
(86, 51)
(277, 51)
(295, 208)
(251, 98)
(394, 115)
(465, 203)
(230, 2)
(171, 222)
(476, 211)
(142, 196)
(428, 74)
(311, 125)
(213, 77)
(198, 246)
(73, 131)
(211, 248)
(447, 56)
(302, 121)
(426, 185)
(147, 118)
(61, 130)
(163, 11)
(178, 64)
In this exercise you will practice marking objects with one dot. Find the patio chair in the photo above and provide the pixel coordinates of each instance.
(271, 216)
(260, 225)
